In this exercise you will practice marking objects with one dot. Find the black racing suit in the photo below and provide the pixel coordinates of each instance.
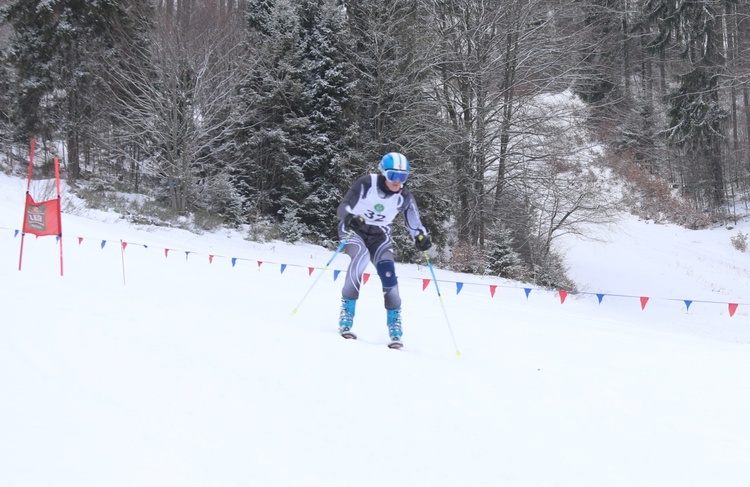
(371, 199)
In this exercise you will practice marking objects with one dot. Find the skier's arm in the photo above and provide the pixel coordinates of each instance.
(352, 197)
(411, 215)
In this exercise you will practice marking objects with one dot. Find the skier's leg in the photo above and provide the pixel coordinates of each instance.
(387, 273)
(357, 251)
(346, 317)
(391, 296)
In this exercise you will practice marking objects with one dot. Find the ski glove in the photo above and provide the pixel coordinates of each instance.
(423, 242)
(352, 223)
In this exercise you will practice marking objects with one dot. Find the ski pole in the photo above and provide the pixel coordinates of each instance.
(337, 252)
(440, 298)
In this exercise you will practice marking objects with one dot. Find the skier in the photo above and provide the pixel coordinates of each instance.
(367, 211)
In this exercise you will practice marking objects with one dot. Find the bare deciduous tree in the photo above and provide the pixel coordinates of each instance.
(174, 104)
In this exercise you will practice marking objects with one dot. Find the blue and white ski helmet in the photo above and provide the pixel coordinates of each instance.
(394, 161)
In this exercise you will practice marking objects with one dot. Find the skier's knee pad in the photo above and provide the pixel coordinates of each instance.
(387, 272)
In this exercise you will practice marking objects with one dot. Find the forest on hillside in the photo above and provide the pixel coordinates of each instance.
(513, 113)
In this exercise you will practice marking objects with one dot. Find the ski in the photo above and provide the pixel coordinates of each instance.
(349, 335)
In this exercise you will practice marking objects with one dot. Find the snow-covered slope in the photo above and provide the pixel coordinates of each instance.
(178, 361)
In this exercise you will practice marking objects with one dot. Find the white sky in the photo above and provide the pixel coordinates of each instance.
(192, 373)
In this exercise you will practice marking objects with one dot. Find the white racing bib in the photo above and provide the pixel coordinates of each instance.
(376, 209)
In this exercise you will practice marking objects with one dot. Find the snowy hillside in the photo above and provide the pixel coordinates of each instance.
(168, 358)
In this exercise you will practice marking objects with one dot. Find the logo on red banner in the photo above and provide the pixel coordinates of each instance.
(42, 218)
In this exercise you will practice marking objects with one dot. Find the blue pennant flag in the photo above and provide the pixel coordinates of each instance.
(459, 286)
(688, 302)
(336, 275)
(15, 234)
(527, 290)
(283, 268)
(104, 242)
(234, 261)
(600, 297)
(187, 253)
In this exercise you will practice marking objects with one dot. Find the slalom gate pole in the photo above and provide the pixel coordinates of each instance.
(122, 257)
(337, 252)
(28, 188)
(59, 212)
(440, 298)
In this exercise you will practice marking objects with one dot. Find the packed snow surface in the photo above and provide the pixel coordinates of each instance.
(164, 357)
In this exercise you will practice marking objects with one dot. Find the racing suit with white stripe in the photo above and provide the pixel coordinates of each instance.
(370, 198)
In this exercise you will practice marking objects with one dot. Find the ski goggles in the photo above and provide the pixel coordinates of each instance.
(396, 176)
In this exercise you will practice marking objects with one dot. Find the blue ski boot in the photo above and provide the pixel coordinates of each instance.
(346, 318)
(394, 328)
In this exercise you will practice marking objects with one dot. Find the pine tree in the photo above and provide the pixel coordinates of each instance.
(57, 51)
(502, 260)
(326, 129)
(270, 96)
(300, 129)
(695, 116)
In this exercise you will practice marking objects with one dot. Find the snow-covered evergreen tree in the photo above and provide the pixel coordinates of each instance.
(326, 128)
(57, 52)
(502, 259)
(299, 129)
(695, 115)
(265, 115)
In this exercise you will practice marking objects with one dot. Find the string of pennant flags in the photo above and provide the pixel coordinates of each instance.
(459, 285)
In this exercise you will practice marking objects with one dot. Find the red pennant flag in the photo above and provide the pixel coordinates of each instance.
(644, 300)
(563, 295)
(732, 309)
(210, 259)
(42, 218)
(166, 252)
(80, 240)
(259, 264)
(310, 270)
(492, 290)
(365, 278)
(124, 245)
(425, 283)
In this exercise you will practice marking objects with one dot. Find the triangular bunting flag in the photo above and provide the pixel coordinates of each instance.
(310, 270)
(688, 302)
(336, 274)
(644, 300)
(425, 283)
(15, 234)
(459, 286)
(365, 278)
(260, 262)
(283, 268)
(563, 295)
(166, 252)
(187, 253)
(210, 259)
(492, 290)
(104, 242)
(527, 290)
(234, 261)
(600, 297)
(80, 239)
(124, 245)
(732, 309)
